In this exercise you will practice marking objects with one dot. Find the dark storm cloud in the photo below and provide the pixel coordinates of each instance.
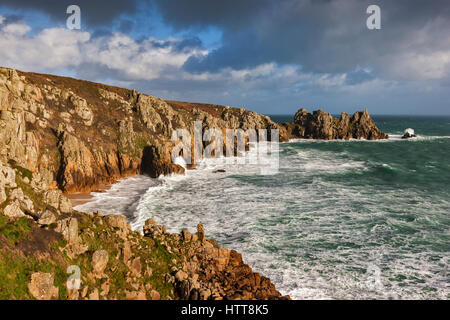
(232, 14)
(96, 12)
(322, 36)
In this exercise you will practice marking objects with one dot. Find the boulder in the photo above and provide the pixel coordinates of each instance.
(17, 194)
(126, 251)
(94, 295)
(136, 295)
(57, 200)
(7, 177)
(41, 286)
(155, 295)
(154, 163)
(186, 235)
(105, 288)
(47, 218)
(99, 261)
(117, 221)
(51, 197)
(69, 229)
(181, 275)
(136, 267)
(13, 211)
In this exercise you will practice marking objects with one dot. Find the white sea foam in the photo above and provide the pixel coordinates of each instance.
(397, 137)
(122, 198)
(392, 137)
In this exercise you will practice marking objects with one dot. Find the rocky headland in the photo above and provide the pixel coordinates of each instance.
(60, 135)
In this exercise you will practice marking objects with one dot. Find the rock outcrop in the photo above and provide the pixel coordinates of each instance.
(322, 125)
(409, 133)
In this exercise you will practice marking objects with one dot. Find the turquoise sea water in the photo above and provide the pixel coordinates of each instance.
(340, 220)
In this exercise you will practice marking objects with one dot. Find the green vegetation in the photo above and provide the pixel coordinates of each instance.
(15, 274)
(15, 231)
(162, 262)
(142, 141)
(3, 220)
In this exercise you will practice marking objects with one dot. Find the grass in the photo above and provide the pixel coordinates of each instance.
(15, 231)
(3, 221)
(161, 266)
(15, 274)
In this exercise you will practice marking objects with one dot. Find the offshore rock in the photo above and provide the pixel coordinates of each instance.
(322, 125)
(409, 133)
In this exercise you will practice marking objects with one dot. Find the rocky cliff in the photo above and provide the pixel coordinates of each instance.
(64, 135)
(322, 125)
(78, 135)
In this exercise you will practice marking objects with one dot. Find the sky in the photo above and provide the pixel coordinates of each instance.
(270, 56)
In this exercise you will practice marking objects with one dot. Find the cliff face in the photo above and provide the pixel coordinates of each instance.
(322, 125)
(59, 134)
(79, 134)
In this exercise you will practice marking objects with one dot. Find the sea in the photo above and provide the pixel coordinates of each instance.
(338, 220)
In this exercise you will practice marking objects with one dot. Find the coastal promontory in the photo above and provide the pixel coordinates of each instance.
(59, 136)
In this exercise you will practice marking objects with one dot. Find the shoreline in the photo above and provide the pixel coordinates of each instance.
(80, 198)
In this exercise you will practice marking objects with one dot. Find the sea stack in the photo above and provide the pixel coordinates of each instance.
(322, 125)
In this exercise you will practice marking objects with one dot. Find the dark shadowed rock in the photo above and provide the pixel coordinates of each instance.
(409, 133)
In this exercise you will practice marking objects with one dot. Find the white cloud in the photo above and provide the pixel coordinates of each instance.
(145, 60)
(423, 55)
(56, 48)
(47, 51)
(2, 19)
(16, 29)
